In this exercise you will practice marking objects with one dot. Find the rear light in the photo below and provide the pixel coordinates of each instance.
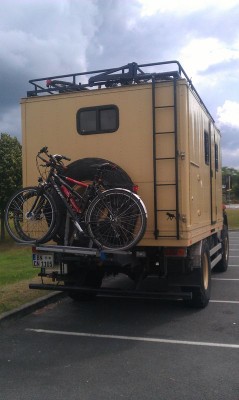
(175, 251)
(135, 189)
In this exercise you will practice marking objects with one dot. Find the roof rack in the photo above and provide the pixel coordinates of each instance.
(129, 74)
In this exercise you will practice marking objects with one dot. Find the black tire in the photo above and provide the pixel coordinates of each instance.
(201, 295)
(116, 219)
(27, 224)
(85, 170)
(222, 265)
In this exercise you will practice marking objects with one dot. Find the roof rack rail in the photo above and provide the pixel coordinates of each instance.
(128, 74)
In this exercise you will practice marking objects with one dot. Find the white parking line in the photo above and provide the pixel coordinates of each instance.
(224, 279)
(225, 301)
(135, 338)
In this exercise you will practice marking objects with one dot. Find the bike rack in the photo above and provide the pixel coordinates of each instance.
(80, 250)
(125, 75)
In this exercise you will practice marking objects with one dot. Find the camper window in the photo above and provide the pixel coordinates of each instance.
(216, 157)
(101, 119)
(206, 148)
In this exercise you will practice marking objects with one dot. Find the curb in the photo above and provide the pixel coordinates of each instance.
(31, 306)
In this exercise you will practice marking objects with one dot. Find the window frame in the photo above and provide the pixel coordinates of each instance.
(98, 110)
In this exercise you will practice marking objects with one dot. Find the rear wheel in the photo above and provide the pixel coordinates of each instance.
(201, 295)
(116, 219)
(31, 215)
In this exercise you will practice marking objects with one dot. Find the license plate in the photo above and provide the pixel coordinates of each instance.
(43, 260)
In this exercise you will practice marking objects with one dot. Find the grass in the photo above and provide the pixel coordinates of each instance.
(233, 218)
(15, 264)
(16, 272)
(17, 294)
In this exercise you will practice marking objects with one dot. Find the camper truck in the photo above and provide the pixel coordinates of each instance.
(151, 122)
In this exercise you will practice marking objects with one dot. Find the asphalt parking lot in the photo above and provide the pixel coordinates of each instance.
(127, 349)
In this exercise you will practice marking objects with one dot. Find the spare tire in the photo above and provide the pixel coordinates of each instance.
(85, 170)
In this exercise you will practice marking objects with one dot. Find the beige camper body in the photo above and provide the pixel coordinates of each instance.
(155, 126)
(188, 185)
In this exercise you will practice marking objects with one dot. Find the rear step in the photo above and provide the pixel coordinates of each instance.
(114, 292)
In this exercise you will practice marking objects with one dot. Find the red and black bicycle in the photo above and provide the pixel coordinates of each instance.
(113, 219)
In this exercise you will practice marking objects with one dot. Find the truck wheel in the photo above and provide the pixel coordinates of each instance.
(201, 295)
(223, 263)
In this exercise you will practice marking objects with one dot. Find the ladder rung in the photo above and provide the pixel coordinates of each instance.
(165, 184)
(164, 106)
(163, 133)
(159, 209)
(167, 236)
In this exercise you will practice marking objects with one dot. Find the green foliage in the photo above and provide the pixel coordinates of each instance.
(230, 181)
(10, 170)
(10, 167)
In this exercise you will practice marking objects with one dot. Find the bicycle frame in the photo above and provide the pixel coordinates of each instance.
(66, 192)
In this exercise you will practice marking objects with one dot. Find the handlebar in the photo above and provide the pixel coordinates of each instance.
(53, 160)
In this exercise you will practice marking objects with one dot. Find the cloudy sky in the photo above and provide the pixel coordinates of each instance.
(40, 38)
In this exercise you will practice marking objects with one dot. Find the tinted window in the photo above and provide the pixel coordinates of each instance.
(101, 119)
(206, 147)
(216, 157)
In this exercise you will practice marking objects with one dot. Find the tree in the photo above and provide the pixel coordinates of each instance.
(10, 171)
(230, 182)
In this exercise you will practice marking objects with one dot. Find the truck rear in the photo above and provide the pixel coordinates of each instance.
(156, 128)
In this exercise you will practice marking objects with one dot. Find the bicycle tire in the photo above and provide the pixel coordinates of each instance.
(25, 224)
(116, 219)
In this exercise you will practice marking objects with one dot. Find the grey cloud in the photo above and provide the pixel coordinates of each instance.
(41, 39)
(230, 145)
(223, 69)
(230, 137)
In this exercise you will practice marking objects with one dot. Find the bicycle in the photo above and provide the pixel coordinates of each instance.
(112, 218)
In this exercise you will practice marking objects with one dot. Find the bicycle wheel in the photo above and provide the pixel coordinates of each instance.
(116, 219)
(31, 215)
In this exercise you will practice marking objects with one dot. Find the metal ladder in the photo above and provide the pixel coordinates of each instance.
(172, 213)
